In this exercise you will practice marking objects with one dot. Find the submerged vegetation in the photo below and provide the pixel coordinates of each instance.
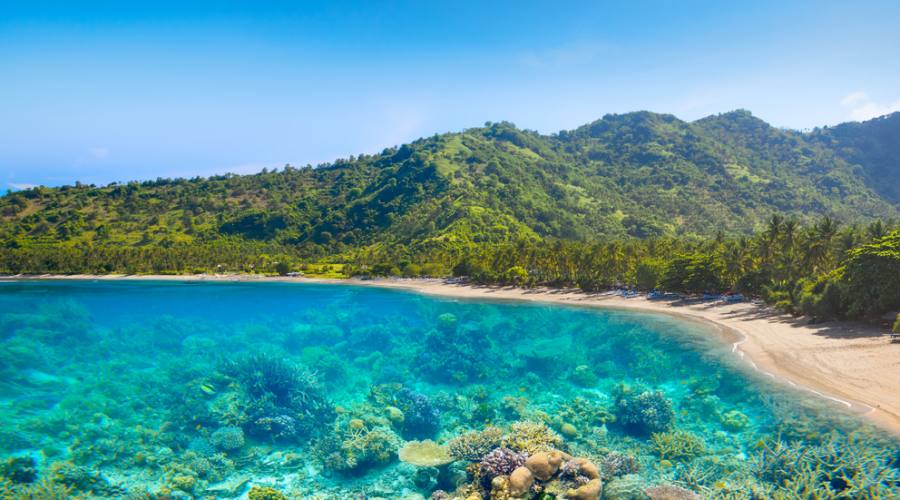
(283, 391)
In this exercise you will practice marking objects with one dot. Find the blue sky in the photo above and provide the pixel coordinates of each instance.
(114, 91)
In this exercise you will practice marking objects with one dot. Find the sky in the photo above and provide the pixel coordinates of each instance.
(115, 91)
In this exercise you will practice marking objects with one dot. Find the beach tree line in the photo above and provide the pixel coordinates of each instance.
(822, 269)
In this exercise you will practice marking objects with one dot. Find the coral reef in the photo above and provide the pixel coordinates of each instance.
(354, 448)
(670, 492)
(227, 438)
(677, 445)
(531, 437)
(265, 493)
(558, 410)
(454, 353)
(734, 420)
(475, 444)
(627, 487)
(424, 454)
(286, 401)
(21, 470)
(584, 376)
(421, 418)
(500, 462)
(642, 410)
(839, 467)
(615, 463)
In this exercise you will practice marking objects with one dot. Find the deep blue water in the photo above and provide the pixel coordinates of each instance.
(186, 389)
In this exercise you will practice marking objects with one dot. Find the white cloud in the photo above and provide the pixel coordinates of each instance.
(861, 107)
(18, 186)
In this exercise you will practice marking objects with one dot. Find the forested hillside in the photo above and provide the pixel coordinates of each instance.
(725, 202)
(639, 174)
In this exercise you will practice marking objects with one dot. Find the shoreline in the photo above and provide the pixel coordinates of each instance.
(852, 364)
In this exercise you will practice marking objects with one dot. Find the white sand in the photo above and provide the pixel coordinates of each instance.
(850, 363)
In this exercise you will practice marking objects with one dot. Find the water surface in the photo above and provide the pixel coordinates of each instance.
(193, 388)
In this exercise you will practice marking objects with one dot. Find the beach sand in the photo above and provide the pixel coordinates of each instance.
(853, 364)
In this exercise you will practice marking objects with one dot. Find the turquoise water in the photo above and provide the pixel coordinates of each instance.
(173, 390)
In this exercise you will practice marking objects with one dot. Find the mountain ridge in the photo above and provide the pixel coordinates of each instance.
(639, 174)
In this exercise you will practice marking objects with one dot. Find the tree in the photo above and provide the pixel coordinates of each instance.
(872, 277)
(282, 268)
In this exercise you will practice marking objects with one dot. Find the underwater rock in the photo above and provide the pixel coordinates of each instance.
(453, 353)
(584, 376)
(228, 488)
(21, 470)
(447, 323)
(227, 438)
(12, 440)
(84, 479)
(425, 478)
(424, 454)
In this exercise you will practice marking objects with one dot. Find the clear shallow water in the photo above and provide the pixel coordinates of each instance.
(191, 389)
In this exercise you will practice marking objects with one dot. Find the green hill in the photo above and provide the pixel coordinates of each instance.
(637, 174)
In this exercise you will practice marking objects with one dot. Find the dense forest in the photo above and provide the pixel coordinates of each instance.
(727, 202)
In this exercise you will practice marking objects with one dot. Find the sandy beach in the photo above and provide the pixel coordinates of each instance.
(853, 364)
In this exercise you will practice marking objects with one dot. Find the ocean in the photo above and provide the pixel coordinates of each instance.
(170, 389)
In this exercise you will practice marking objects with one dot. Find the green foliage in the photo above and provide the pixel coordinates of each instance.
(640, 174)
(724, 203)
(693, 273)
(648, 273)
(871, 277)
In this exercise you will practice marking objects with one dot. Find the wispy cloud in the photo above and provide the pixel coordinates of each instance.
(861, 107)
(18, 186)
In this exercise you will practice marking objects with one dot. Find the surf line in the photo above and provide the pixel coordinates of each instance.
(735, 348)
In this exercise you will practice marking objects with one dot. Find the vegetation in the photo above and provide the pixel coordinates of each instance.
(640, 199)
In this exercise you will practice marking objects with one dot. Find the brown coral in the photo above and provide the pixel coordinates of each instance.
(520, 481)
(425, 454)
(544, 464)
(589, 491)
